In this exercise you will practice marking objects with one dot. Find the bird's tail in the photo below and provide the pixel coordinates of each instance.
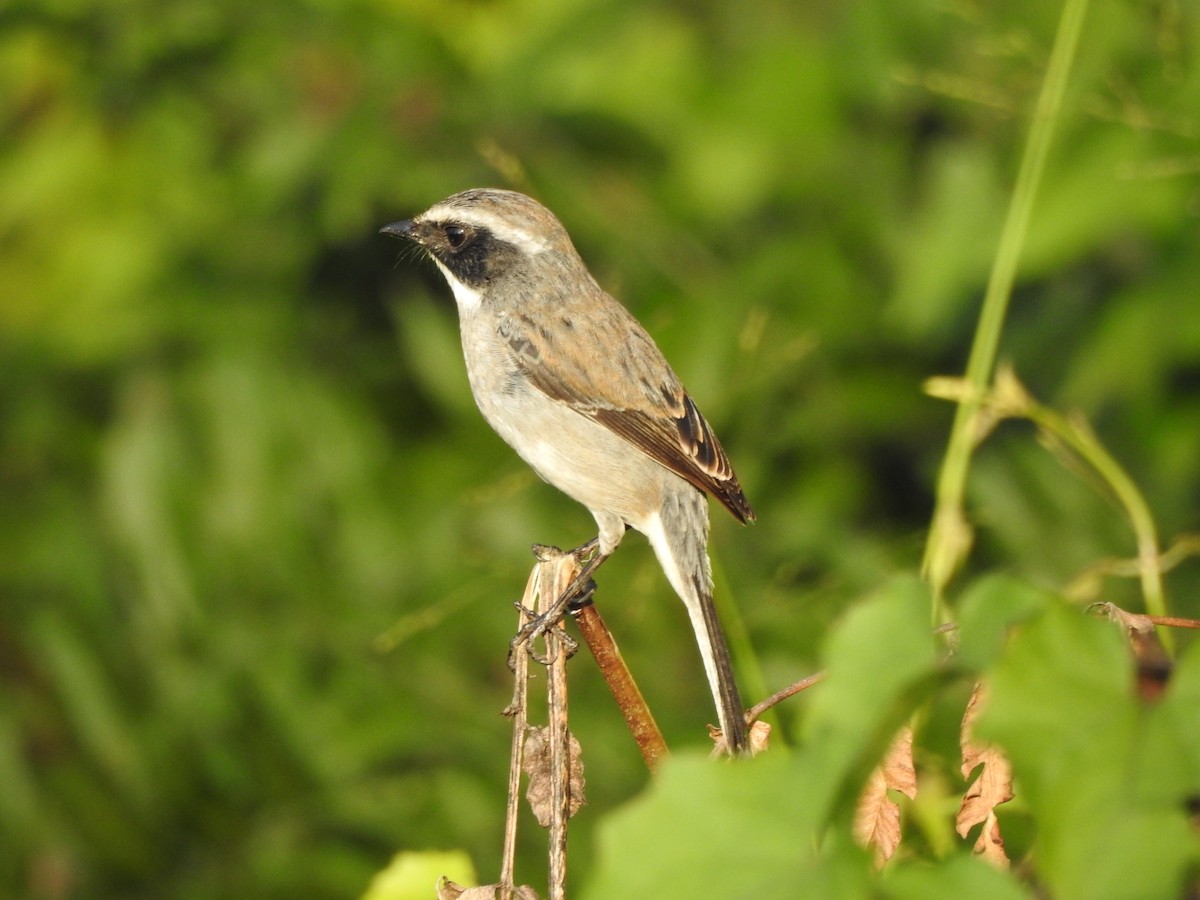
(680, 541)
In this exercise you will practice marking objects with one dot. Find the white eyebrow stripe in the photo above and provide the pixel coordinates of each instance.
(484, 219)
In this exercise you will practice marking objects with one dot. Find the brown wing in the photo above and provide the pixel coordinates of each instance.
(684, 444)
(631, 390)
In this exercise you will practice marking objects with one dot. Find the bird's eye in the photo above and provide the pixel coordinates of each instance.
(456, 235)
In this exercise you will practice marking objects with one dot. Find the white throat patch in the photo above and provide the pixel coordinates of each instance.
(468, 299)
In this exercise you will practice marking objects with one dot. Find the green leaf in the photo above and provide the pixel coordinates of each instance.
(951, 879)
(762, 827)
(1170, 761)
(876, 658)
(710, 829)
(989, 610)
(1063, 708)
(413, 876)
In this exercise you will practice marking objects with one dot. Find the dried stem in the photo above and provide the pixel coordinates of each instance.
(756, 711)
(620, 681)
(518, 711)
(556, 570)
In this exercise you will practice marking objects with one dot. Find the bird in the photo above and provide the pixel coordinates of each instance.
(571, 381)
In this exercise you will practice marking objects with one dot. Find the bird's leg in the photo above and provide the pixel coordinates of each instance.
(581, 587)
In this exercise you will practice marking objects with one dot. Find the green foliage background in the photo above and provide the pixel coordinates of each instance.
(258, 548)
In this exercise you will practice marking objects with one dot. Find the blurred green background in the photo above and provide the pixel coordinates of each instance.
(259, 550)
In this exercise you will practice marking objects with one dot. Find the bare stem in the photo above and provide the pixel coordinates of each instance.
(518, 711)
(557, 571)
(778, 697)
(624, 689)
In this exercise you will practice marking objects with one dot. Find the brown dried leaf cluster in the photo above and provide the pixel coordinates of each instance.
(986, 792)
(536, 764)
(877, 818)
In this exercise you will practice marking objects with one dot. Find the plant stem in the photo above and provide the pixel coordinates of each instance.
(946, 549)
(1080, 439)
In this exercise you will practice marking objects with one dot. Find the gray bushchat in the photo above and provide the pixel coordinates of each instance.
(571, 381)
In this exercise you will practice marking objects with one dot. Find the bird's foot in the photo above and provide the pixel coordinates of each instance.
(576, 595)
(539, 626)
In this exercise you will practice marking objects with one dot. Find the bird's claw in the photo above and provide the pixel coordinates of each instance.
(539, 626)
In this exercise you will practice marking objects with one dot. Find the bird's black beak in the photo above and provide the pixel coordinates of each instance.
(401, 229)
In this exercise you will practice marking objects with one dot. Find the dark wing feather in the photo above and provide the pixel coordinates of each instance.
(639, 397)
(686, 445)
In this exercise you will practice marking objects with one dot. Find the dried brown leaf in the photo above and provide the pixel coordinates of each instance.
(1134, 623)
(536, 763)
(759, 737)
(990, 843)
(448, 890)
(877, 817)
(1153, 663)
(992, 787)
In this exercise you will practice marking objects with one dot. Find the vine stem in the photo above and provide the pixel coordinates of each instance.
(1077, 435)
